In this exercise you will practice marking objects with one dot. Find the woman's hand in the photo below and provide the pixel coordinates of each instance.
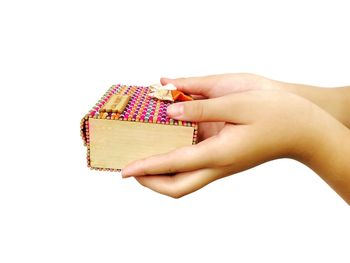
(245, 120)
(335, 100)
(258, 126)
(216, 86)
(220, 85)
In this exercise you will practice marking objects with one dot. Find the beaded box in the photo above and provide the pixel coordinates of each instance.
(127, 124)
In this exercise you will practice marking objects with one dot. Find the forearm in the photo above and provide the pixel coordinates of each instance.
(330, 157)
(335, 101)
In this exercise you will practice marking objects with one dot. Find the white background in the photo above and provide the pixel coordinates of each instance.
(56, 60)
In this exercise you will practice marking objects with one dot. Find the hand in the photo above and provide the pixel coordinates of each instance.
(335, 101)
(259, 125)
(219, 85)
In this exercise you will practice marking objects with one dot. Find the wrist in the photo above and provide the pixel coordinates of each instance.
(333, 100)
(328, 153)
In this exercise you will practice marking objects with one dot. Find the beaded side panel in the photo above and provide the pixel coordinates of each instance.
(140, 108)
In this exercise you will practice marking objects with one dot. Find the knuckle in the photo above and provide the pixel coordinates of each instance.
(174, 190)
(181, 83)
(199, 111)
(175, 194)
(142, 165)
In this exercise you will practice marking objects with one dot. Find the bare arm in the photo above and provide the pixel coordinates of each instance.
(331, 158)
(336, 101)
(251, 120)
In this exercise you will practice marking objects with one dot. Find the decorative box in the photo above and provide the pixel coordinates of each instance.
(130, 123)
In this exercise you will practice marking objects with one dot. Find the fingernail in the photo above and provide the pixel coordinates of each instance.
(175, 110)
(126, 173)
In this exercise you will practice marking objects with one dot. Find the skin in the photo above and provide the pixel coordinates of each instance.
(247, 120)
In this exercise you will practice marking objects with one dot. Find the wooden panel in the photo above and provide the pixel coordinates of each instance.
(113, 143)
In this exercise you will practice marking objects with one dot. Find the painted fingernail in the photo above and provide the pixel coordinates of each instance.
(175, 110)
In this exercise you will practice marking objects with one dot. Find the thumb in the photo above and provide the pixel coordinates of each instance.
(201, 110)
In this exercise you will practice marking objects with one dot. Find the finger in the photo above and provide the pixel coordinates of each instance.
(200, 110)
(184, 183)
(218, 110)
(194, 85)
(187, 158)
(238, 108)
